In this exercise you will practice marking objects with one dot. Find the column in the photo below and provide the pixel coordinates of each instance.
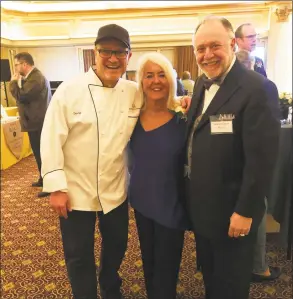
(279, 67)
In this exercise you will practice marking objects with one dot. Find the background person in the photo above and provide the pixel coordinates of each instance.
(261, 270)
(245, 58)
(188, 84)
(246, 37)
(180, 88)
(32, 93)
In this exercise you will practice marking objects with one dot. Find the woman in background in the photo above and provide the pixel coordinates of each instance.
(188, 84)
(156, 182)
(244, 58)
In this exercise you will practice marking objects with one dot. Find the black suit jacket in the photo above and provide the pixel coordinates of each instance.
(32, 100)
(180, 88)
(232, 172)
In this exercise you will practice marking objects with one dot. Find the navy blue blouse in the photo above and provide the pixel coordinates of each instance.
(156, 180)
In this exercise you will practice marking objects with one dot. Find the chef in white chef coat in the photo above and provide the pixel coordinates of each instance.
(85, 133)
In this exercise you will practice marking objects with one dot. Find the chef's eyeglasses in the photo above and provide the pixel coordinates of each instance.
(104, 53)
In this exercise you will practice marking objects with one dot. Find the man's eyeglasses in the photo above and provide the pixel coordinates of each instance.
(253, 36)
(104, 53)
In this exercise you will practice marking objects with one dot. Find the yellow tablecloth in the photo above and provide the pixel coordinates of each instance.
(11, 111)
(7, 158)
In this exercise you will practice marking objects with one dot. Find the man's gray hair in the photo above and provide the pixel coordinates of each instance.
(243, 56)
(167, 67)
(226, 24)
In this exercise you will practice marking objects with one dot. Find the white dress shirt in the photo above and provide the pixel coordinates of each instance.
(252, 62)
(84, 137)
(211, 92)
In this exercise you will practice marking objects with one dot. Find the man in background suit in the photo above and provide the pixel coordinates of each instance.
(32, 92)
(180, 88)
(261, 270)
(231, 152)
(246, 40)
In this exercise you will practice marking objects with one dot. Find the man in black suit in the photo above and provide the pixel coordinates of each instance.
(245, 36)
(231, 152)
(180, 88)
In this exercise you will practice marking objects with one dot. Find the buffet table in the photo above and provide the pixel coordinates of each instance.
(15, 145)
(11, 111)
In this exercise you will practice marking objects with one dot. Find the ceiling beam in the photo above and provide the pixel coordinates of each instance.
(137, 13)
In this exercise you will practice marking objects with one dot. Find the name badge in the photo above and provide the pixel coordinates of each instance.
(222, 124)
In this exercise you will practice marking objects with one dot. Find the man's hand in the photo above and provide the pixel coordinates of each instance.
(185, 102)
(60, 203)
(239, 225)
(15, 76)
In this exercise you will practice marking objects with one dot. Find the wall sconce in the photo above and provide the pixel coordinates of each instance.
(283, 13)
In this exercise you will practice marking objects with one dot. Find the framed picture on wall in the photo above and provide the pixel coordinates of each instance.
(131, 75)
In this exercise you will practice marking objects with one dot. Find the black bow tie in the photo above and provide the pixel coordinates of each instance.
(209, 82)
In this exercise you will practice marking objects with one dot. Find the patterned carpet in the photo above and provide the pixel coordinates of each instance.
(32, 264)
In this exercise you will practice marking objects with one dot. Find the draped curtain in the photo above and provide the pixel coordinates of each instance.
(88, 59)
(185, 61)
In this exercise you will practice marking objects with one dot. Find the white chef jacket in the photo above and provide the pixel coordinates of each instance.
(83, 142)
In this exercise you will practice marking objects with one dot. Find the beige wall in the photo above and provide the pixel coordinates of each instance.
(279, 66)
(136, 54)
(56, 63)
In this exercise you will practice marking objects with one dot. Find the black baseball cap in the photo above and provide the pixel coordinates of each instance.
(113, 31)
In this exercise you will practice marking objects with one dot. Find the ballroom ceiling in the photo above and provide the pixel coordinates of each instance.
(76, 22)
(50, 6)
